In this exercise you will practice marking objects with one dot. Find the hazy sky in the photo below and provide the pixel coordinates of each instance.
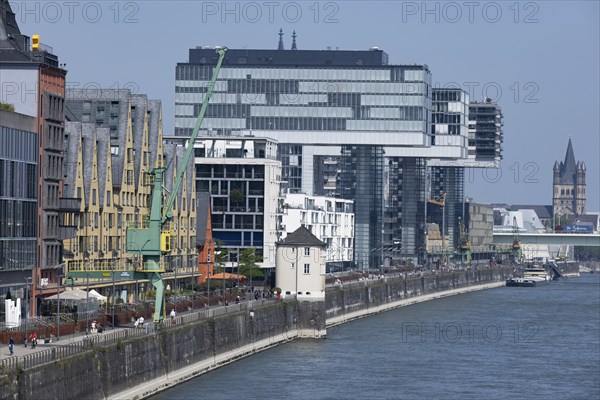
(539, 60)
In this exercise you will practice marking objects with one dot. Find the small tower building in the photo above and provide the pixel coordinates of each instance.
(300, 266)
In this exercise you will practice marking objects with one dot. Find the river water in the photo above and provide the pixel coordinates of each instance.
(504, 343)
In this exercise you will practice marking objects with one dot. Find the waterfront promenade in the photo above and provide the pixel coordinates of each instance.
(69, 345)
(127, 362)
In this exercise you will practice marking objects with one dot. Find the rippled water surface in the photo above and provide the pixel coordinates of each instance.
(505, 343)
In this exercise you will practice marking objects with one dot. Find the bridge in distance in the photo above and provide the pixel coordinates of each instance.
(574, 239)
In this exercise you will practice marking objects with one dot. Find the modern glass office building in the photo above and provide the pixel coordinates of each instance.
(321, 103)
(18, 199)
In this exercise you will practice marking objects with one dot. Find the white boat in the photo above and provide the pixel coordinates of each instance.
(583, 268)
(537, 274)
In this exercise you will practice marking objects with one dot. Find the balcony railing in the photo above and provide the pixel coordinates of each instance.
(68, 204)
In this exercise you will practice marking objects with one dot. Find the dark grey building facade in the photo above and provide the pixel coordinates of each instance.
(18, 200)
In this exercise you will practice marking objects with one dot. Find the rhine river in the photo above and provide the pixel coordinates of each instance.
(504, 343)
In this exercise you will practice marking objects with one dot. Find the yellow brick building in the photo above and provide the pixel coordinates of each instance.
(112, 138)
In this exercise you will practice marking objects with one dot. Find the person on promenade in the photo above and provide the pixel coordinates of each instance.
(33, 340)
(173, 314)
(11, 345)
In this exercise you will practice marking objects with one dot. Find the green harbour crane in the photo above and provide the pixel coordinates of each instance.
(150, 239)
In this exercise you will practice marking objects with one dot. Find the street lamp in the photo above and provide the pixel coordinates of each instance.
(27, 281)
(58, 307)
(208, 290)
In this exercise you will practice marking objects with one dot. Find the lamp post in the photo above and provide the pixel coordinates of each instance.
(113, 299)
(58, 307)
(87, 298)
(27, 280)
(208, 290)
(296, 250)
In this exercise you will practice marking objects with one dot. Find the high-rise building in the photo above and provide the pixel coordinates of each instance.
(333, 103)
(449, 116)
(569, 185)
(457, 120)
(485, 133)
(327, 175)
(33, 83)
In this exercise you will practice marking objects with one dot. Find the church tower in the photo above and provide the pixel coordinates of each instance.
(568, 183)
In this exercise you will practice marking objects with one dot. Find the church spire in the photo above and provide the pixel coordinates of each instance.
(294, 41)
(280, 46)
(570, 165)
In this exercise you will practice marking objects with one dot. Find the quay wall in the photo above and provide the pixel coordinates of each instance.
(143, 365)
(139, 365)
(359, 299)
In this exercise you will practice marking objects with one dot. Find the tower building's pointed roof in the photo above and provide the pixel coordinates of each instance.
(569, 167)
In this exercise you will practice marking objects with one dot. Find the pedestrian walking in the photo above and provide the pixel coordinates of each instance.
(173, 314)
(11, 345)
(33, 340)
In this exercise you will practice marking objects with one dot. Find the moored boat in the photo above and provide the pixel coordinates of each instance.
(520, 282)
(536, 274)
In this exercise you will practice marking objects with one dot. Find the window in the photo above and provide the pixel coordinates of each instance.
(306, 269)
(307, 251)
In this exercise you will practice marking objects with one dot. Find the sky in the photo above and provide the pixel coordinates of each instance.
(540, 60)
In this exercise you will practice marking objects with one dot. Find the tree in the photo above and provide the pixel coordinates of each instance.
(248, 264)
(7, 106)
(220, 255)
(237, 196)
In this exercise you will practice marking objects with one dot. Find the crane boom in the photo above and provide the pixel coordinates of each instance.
(168, 209)
(147, 238)
(150, 239)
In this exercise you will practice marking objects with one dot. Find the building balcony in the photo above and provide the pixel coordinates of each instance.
(67, 232)
(67, 204)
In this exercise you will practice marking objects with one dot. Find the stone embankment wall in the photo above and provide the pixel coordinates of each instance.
(359, 299)
(142, 365)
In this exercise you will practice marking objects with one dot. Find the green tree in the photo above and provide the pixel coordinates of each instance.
(7, 106)
(248, 263)
(237, 196)
(220, 256)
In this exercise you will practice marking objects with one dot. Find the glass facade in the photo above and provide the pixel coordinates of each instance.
(237, 204)
(449, 112)
(326, 98)
(485, 131)
(18, 199)
(292, 95)
(448, 180)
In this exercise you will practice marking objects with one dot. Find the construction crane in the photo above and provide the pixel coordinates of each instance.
(151, 239)
(441, 201)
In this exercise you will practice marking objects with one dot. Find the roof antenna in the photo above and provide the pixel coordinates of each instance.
(280, 47)
(294, 41)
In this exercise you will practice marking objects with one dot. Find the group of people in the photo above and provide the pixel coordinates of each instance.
(33, 339)
(96, 328)
(139, 323)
